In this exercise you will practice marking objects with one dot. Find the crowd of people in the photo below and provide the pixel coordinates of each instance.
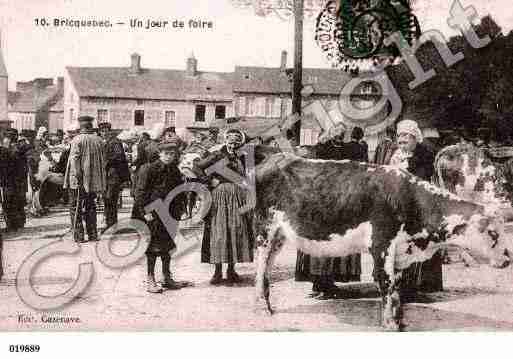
(94, 164)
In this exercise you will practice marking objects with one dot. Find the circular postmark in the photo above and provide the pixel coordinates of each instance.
(356, 29)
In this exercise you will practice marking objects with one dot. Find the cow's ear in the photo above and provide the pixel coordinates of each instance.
(459, 229)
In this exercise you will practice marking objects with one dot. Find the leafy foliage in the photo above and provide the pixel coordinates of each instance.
(476, 91)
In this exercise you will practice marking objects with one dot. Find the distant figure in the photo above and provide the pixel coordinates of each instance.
(85, 177)
(386, 147)
(14, 185)
(40, 148)
(116, 168)
(356, 149)
(170, 135)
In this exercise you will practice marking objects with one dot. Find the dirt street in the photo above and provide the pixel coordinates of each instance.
(475, 298)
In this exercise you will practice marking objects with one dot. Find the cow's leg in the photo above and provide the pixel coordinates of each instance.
(388, 279)
(267, 250)
(389, 287)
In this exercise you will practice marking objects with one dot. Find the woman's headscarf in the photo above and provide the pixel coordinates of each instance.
(40, 132)
(234, 136)
(410, 127)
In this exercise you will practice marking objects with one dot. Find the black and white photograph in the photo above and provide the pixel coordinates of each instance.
(255, 166)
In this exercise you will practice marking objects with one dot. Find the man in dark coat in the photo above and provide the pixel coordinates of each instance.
(116, 170)
(417, 159)
(356, 149)
(15, 186)
(4, 173)
(155, 181)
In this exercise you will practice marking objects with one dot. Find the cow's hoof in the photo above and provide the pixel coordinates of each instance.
(392, 326)
(262, 307)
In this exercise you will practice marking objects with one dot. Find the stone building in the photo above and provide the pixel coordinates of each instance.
(37, 103)
(4, 94)
(190, 99)
(137, 96)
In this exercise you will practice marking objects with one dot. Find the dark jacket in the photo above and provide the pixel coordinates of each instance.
(116, 162)
(17, 167)
(155, 181)
(421, 164)
(330, 151)
(356, 151)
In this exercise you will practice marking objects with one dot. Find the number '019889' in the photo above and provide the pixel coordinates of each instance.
(24, 348)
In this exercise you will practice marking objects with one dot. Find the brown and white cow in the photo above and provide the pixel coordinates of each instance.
(336, 208)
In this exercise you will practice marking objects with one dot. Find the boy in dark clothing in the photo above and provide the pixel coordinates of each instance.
(155, 181)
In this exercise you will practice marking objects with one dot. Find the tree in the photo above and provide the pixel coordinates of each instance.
(460, 95)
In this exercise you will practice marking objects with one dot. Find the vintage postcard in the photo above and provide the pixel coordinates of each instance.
(256, 165)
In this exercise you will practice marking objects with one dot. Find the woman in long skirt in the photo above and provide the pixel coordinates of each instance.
(228, 235)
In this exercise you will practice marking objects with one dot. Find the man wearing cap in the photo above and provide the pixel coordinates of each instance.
(15, 185)
(85, 178)
(116, 171)
(417, 159)
(170, 135)
(154, 182)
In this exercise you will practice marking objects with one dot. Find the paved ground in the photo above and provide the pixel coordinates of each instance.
(476, 298)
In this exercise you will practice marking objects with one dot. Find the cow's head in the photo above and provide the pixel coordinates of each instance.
(482, 236)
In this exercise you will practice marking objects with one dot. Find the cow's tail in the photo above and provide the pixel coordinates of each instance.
(354, 241)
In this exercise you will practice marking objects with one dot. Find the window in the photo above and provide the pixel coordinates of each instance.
(139, 118)
(103, 116)
(241, 111)
(277, 107)
(268, 107)
(200, 113)
(140, 102)
(220, 111)
(71, 114)
(249, 106)
(170, 118)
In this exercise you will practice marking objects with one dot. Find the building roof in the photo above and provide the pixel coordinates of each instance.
(275, 80)
(120, 82)
(36, 99)
(252, 127)
(3, 69)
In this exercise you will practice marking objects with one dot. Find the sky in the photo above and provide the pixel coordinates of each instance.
(238, 37)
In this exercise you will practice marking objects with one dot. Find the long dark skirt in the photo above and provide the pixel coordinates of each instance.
(228, 235)
(424, 277)
(339, 269)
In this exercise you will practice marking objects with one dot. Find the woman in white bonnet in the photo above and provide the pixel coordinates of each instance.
(411, 154)
(228, 236)
(417, 159)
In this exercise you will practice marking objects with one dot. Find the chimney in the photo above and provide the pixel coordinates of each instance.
(135, 66)
(283, 63)
(24, 86)
(192, 65)
(43, 82)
